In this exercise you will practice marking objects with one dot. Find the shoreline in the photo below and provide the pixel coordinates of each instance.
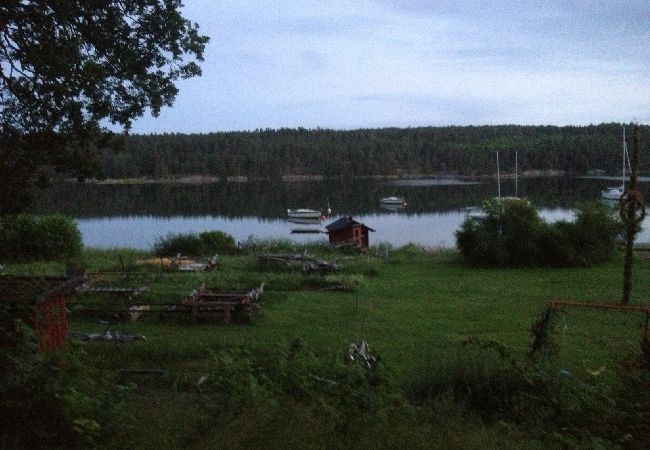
(204, 179)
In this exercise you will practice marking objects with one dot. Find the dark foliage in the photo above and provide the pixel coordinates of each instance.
(370, 152)
(556, 407)
(206, 243)
(54, 401)
(512, 235)
(348, 396)
(27, 237)
(67, 66)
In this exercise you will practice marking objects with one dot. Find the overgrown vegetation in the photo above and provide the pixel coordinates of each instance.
(454, 369)
(511, 234)
(558, 407)
(270, 379)
(206, 243)
(26, 237)
(54, 400)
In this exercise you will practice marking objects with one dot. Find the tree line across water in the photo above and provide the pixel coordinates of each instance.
(462, 150)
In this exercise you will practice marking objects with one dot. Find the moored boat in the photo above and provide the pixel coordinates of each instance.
(303, 213)
(616, 192)
(612, 193)
(393, 201)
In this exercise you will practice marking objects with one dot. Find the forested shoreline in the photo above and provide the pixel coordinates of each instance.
(455, 150)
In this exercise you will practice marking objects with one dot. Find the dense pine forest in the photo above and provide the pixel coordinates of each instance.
(460, 150)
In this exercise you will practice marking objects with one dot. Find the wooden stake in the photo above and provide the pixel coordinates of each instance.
(632, 213)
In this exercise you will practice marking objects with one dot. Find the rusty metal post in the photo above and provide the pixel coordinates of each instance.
(632, 213)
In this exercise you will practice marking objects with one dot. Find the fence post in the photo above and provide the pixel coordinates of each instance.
(632, 212)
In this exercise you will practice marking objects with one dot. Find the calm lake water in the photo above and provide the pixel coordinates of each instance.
(135, 215)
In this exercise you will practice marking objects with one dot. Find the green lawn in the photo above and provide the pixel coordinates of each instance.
(414, 308)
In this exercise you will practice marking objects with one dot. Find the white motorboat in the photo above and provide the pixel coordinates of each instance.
(393, 201)
(612, 193)
(303, 213)
(616, 192)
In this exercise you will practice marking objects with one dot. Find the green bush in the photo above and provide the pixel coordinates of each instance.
(595, 232)
(218, 241)
(512, 234)
(206, 243)
(175, 243)
(29, 237)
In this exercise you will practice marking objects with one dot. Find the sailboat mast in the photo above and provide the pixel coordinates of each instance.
(498, 178)
(624, 157)
(516, 176)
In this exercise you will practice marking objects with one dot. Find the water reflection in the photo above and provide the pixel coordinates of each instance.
(135, 215)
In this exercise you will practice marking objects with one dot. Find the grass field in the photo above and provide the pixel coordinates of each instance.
(415, 308)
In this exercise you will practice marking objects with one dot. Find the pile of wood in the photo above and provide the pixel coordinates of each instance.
(186, 264)
(299, 261)
(212, 303)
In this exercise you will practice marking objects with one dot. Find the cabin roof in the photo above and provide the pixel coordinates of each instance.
(343, 223)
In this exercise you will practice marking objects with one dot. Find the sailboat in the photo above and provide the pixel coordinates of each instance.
(616, 192)
(479, 212)
(509, 198)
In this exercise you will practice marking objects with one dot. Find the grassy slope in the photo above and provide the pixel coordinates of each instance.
(414, 309)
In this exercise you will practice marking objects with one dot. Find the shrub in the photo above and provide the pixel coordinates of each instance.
(29, 237)
(218, 241)
(512, 234)
(174, 243)
(205, 243)
(595, 232)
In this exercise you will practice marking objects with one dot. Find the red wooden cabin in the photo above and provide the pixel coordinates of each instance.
(41, 303)
(347, 231)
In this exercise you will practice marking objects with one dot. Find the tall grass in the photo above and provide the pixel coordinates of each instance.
(415, 308)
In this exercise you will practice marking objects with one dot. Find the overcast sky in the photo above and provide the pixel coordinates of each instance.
(381, 63)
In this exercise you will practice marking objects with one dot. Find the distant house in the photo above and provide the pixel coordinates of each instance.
(347, 231)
